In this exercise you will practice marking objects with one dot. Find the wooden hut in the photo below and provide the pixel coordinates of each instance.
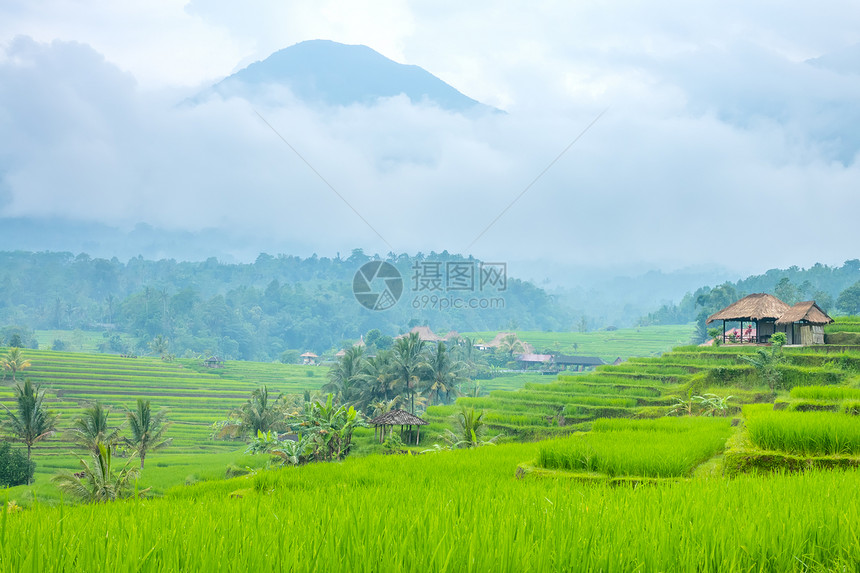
(309, 358)
(424, 333)
(803, 323)
(761, 309)
(400, 418)
(213, 362)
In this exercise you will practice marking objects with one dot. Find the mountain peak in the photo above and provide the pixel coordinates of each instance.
(330, 73)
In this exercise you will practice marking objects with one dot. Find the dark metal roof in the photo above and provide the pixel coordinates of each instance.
(579, 360)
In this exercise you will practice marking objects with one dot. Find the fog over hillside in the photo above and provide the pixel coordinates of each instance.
(633, 140)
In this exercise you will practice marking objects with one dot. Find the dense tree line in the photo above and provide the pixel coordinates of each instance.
(835, 289)
(240, 311)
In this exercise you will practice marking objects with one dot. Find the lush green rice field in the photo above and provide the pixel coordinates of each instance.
(805, 433)
(456, 511)
(609, 345)
(195, 397)
(664, 447)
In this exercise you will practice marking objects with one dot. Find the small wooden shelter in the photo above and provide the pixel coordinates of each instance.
(803, 323)
(425, 333)
(213, 362)
(309, 358)
(400, 418)
(761, 309)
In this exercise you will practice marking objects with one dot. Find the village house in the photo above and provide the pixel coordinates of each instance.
(761, 315)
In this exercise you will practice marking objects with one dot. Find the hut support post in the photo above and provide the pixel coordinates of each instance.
(742, 331)
(418, 434)
(724, 332)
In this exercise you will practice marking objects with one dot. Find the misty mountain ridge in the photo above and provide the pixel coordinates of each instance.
(334, 74)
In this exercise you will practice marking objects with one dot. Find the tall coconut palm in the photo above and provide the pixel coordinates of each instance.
(91, 429)
(407, 364)
(344, 376)
(31, 422)
(375, 382)
(98, 482)
(160, 346)
(466, 353)
(14, 362)
(510, 345)
(147, 429)
(444, 375)
(261, 413)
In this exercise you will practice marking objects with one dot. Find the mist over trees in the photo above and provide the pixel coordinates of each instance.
(253, 311)
(833, 288)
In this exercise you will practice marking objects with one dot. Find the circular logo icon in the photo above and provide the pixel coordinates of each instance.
(377, 285)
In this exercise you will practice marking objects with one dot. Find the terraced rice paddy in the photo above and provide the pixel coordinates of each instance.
(804, 433)
(665, 447)
(194, 395)
(607, 344)
(454, 511)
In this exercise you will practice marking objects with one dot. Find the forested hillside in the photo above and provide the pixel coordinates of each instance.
(835, 289)
(241, 311)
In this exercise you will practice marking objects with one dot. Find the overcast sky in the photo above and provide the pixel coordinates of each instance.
(721, 144)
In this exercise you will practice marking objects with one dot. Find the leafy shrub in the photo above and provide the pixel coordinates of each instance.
(393, 444)
(14, 467)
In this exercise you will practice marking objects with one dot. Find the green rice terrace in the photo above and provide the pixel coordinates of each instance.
(704, 458)
(195, 396)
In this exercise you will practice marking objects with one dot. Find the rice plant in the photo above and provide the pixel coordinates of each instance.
(804, 433)
(451, 511)
(825, 393)
(664, 447)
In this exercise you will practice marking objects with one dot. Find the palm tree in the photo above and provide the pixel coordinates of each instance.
(445, 374)
(14, 363)
(261, 412)
(375, 381)
(160, 346)
(98, 482)
(344, 375)
(407, 363)
(91, 429)
(510, 344)
(33, 422)
(466, 351)
(147, 429)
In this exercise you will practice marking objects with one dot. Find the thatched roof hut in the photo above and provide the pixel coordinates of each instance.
(807, 312)
(804, 323)
(752, 308)
(425, 333)
(309, 358)
(400, 418)
(760, 308)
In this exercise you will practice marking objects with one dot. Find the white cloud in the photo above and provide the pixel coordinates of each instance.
(718, 145)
